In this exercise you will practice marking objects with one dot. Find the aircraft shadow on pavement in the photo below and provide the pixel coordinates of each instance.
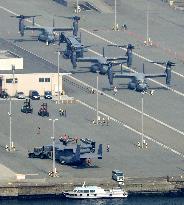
(92, 166)
(22, 40)
(78, 70)
(157, 88)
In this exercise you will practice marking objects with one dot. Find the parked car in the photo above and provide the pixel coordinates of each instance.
(4, 94)
(34, 95)
(20, 95)
(48, 95)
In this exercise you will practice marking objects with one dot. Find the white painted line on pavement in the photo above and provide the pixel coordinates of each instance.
(123, 103)
(165, 86)
(174, 129)
(134, 130)
(136, 54)
(7, 10)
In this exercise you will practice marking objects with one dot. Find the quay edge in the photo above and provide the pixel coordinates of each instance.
(42, 188)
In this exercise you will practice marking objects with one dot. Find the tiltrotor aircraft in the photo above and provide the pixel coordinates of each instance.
(101, 63)
(69, 151)
(138, 80)
(47, 33)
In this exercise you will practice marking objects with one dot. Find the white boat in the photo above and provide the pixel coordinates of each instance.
(95, 192)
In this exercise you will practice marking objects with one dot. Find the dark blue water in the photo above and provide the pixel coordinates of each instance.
(156, 200)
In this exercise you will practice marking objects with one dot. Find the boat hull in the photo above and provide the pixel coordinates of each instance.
(90, 196)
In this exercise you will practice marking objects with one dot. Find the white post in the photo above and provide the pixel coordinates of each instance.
(10, 115)
(53, 147)
(115, 15)
(10, 111)
(97, 98)
(58, 79)
(53, 141)
(147, 24)
(142, 120)
(77, 6)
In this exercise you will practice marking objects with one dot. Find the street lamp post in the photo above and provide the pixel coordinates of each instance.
(58, 79)
(53, 147)
(97, 98)
(147, 24)
(142, 120)
(10, 128)
(115, 19)
(77, 7)
(10, 112)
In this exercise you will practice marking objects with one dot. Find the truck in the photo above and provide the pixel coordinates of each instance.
(44, 152)
(118, 176)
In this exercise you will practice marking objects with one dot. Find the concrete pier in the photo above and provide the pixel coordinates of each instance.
(36, 188)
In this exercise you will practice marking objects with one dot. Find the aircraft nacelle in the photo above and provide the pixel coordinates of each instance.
(98, 67)
(132, 85)
(141, 87)
(48, 38)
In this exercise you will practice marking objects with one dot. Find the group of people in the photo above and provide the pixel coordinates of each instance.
(62, 112)
(102, 121)
(116, 27)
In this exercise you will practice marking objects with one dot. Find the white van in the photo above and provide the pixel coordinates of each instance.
(118, 175)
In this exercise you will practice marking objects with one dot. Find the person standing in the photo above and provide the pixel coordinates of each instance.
(115, 91)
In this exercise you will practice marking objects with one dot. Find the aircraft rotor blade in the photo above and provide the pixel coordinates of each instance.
(143, 69)
(25, 17)
(103, 52)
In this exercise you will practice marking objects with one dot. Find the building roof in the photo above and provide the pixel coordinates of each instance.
(32, 63)
(5, 54)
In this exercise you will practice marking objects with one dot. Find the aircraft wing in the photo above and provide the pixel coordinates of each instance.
(88, 155)
(34, 28)
(93, 155)
(62, 29)
(115, 59)
(88, 59)
(155, 75)
(124, 75)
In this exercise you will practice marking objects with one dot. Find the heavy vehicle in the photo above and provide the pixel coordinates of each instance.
(43, 110)
(41, 152)
(26, 108)
(118, 175)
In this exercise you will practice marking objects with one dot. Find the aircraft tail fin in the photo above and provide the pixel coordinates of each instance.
(143, 69)
(168, 76)
(73, 59)
(100, 151)
(21, 26)
(103, 52)
(110, 75)
(53, 22)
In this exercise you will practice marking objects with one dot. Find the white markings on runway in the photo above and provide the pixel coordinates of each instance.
(134, 130)
(136, 54)
(128, 127)
(129, 106)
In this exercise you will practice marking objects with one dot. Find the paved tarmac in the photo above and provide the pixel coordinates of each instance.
(166, 106)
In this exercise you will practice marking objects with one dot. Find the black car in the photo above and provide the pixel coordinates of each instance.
(48, 95)
(34, 95)
(4, 94)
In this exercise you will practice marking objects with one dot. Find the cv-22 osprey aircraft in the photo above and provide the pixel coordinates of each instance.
(47, 33)
(100, 64)
(69, 151)
(138, 80)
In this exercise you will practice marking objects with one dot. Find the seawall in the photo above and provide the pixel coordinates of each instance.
(36, 188)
